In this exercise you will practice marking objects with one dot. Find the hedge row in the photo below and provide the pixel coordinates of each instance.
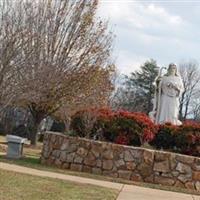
(183, 139)
(135, 129)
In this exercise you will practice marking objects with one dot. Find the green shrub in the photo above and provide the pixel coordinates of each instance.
(182, 139)
(83, 123)
(187, 138)
(164, 138)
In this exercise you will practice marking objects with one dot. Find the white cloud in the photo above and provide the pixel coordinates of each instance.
(129, 62)
(162, 15)
(149, 30)
(138, 14)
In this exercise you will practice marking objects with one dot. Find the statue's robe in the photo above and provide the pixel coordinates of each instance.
(168, 110)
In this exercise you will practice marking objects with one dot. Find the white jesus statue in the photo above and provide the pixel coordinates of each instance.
(166, 102)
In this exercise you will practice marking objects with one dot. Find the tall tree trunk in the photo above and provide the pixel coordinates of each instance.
(181, 106)
(33, 135)
(186, 109)
(38, 116)
(187, 105)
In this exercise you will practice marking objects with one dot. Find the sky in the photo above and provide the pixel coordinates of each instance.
(164, 30)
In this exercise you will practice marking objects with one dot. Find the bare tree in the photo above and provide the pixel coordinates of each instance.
(190, 73)
(67, 52)
(13, 42)
(137, 89)
(123, 98)
(196, 107)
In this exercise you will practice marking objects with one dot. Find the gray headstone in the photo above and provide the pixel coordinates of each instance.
(15, 146)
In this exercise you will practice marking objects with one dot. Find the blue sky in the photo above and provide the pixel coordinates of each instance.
(165, 30)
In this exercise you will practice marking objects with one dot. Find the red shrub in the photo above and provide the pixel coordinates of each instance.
(121, 127)
(122, 139)
(128, 128)
(185, 138)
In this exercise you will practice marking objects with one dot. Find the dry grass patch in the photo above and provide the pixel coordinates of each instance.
(19, 186)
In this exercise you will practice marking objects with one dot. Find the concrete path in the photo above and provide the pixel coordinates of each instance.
(127, 192)
(130, 192)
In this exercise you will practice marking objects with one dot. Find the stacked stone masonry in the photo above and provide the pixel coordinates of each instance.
(132, 163)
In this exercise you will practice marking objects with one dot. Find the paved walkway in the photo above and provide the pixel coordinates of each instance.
(127, 192)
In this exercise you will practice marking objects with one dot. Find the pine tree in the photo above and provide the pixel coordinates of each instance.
(141, 84)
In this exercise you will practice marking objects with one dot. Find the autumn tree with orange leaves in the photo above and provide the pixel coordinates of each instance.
(67, 58)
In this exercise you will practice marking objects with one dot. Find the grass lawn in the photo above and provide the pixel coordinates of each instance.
(15, 186)
(2, 138)
(31, 159)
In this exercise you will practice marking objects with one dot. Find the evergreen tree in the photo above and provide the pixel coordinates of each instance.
(142, 83)
(138, 90)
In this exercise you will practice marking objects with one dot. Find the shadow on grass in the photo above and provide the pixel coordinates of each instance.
(26, 161)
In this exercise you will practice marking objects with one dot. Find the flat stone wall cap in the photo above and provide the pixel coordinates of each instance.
(15, 139)
(55, 133)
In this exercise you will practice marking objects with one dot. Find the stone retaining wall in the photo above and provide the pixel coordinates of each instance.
(3, 148)
(125, 162)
